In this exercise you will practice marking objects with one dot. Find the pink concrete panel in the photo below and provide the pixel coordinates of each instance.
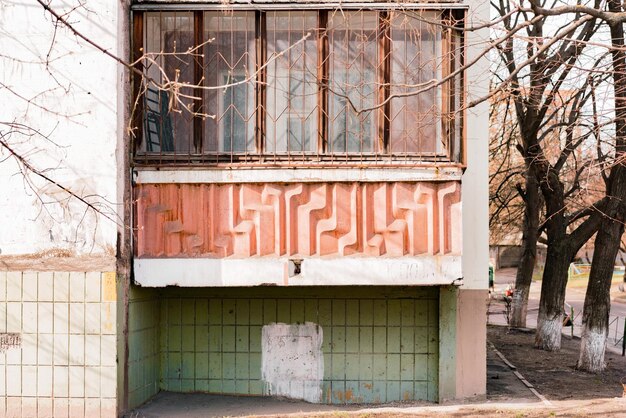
(312, 219)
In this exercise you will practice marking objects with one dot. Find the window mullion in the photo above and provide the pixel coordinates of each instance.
(261, 78)
(138, 50)
(323, 80)
(384, 79)
(199, 107)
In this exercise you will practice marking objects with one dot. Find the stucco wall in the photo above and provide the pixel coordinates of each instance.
(63, 96)
(475, 181)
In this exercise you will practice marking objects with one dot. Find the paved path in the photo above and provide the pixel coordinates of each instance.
(504, 390)
(574, 297)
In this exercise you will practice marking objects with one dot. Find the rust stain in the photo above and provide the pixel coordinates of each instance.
(339, 395)
(406, 396)
(313, 219)
(367, 386)
(349, 395)
(109, 291)
(107, 321)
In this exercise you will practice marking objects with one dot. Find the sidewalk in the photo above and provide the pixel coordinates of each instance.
(574, 298)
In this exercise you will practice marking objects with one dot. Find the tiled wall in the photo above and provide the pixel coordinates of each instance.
(143, 344)
(380, 344)
(60, 353)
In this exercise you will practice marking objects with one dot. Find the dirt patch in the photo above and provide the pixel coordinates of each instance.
(554, 374)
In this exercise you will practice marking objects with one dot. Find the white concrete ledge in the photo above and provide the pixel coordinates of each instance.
(228, 272)
(300, 175)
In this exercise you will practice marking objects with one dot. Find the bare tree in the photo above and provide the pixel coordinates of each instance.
(535, 70)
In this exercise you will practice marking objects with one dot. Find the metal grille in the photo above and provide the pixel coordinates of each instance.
(306, 88)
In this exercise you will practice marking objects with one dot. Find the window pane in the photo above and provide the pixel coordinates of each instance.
(229, 60)
(291, 100)
(354, 62)
(168, 126)
(415, 59)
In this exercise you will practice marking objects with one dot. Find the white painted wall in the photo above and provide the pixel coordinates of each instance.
(73, 101)
(292, 360)
(475, 182)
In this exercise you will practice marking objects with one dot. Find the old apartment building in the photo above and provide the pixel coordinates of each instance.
(282, 198)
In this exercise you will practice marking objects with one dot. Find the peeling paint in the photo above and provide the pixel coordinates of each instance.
(10, 340)
(592, 348)
(292, 360)
(549, 332)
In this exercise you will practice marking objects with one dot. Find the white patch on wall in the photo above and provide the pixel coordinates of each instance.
(292, 360)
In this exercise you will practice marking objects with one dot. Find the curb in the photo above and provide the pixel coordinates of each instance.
(519, 376)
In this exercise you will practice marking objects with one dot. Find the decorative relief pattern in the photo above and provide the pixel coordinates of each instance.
(311, 219)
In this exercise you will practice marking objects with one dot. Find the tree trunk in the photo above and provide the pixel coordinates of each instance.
(598, 298)
(526, 266)
(554, 281)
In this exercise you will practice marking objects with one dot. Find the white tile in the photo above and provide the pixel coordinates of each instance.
(92, 407)
(61, 408)
(14, 286)
(3, 403)
(3, 317)
(44, 381)
(46, 317)
(14, 380)
(77, 287)
(77, 408)
(108, 350)
(3, 286)
(29, 407)
(29, 349)
(92, 381)
(14, 407)
(44, 408)
(29, 286)
(3, 389)
(77, 318)
(92, 287)
(14, 317)
(61, 318)
(61, 381)
(92, 318)
(77, 350)
(108, 408)
(108, 318)
(29, 380)
(29, 317)
(92, 350)
(45, 289)
(61, 355)
(13, 356)
(77, 381)
(108, 382)
(45, 349)
(61, 287)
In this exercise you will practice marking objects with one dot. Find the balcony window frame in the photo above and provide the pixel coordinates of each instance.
(453, 91)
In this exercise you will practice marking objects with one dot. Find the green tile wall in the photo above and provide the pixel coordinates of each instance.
(380, 343)
(143, 344)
